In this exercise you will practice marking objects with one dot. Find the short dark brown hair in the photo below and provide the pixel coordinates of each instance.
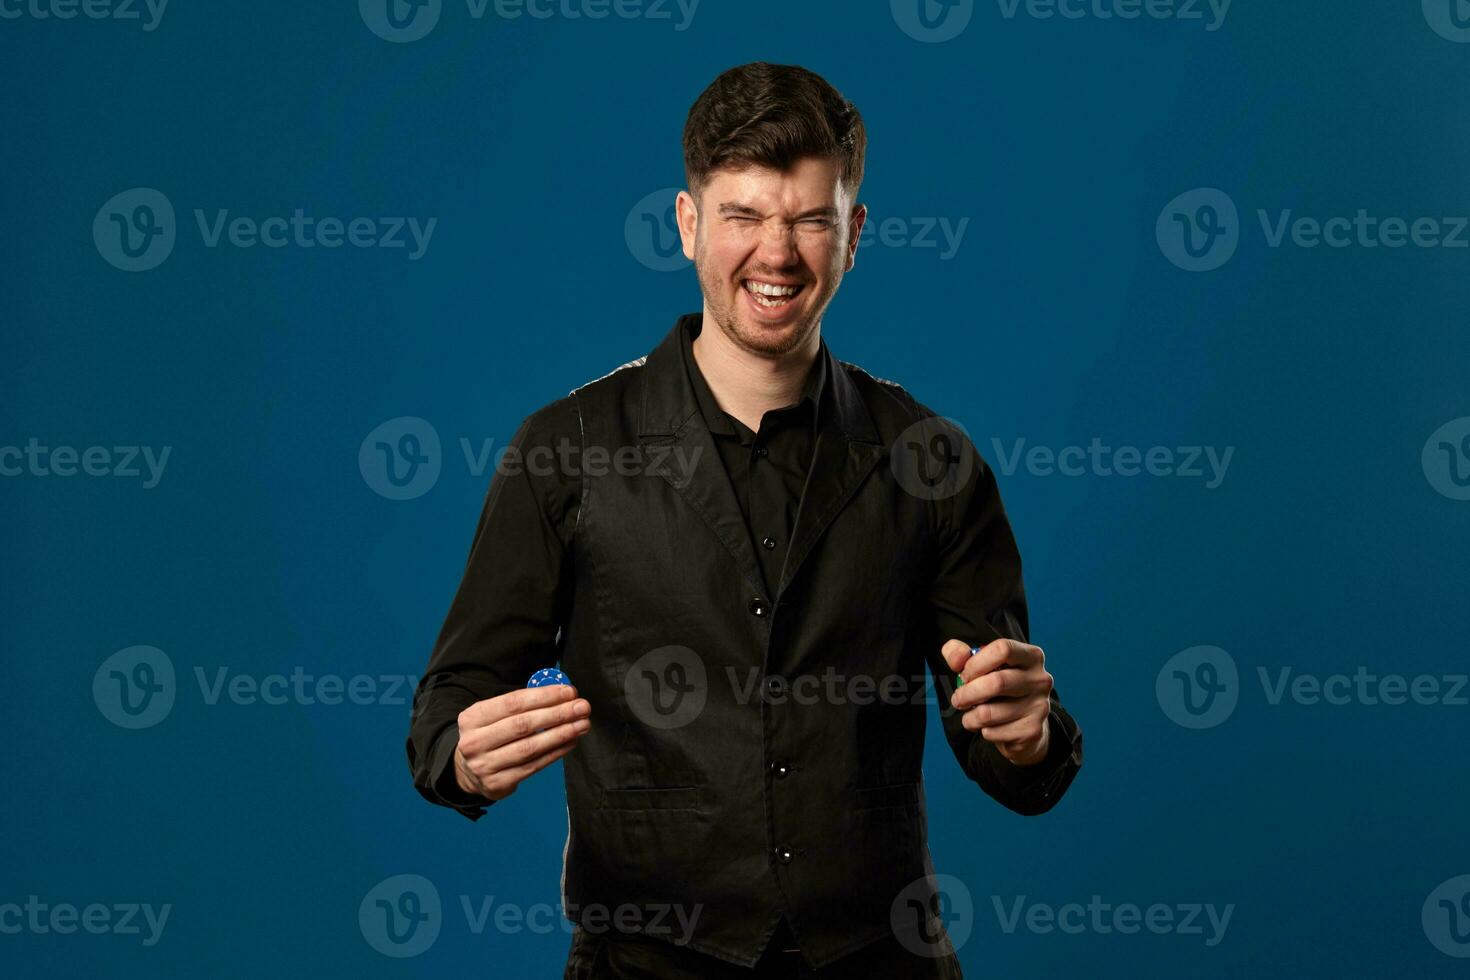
(768, 115)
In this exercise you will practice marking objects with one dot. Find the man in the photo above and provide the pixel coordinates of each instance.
(743, 552)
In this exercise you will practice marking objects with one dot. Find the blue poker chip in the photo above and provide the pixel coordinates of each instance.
(547, 676)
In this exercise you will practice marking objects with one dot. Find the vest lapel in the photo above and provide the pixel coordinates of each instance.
(680, 449)
(847, 449)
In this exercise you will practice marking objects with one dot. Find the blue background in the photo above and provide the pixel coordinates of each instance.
(1059, 319)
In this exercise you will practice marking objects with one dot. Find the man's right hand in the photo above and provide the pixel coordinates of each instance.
(504, 739)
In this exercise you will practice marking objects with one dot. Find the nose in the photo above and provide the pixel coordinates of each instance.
(777, 247)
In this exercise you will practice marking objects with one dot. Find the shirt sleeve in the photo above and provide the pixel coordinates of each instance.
(977, 596)
(503, 624)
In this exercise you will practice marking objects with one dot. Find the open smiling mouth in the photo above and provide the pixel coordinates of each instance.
(771, 295)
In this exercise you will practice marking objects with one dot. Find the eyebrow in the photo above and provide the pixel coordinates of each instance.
(746, 211)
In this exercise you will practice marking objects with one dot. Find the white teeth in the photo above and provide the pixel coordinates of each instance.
(770, 289)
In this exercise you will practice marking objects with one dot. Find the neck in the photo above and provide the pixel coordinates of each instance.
(748, 385)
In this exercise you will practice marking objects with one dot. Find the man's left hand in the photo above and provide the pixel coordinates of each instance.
(1006, 696)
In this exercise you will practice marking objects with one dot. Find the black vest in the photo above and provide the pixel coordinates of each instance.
(721, 774)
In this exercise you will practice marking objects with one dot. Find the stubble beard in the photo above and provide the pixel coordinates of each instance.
(765, 343)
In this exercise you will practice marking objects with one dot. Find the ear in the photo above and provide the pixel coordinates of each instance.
(854, 231)
(688, 216)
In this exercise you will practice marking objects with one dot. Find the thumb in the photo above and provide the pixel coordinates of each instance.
(956, 653)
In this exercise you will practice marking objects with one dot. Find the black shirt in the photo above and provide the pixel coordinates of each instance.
(767, 469)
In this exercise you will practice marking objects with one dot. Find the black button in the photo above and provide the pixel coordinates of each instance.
(779, 769)
(758, 606)
(784, 855)
(768, 542)
(762, 451)
(775, 685)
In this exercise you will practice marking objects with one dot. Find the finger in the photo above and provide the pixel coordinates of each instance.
(996, 713)
(518, 752)
(499, 785)
(1023, 730)
(489, 711)
(1002, 653)
(536, 764)
(528, 723)
(988, 658)
(1007, 683)
(955, 654)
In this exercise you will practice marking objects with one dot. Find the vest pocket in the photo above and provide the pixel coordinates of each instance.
(657, 798)
(882, 842)
(645, 846)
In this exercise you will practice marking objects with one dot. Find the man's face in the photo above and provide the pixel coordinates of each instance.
(758, 232)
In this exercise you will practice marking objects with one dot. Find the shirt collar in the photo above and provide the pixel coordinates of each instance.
(715, 418)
